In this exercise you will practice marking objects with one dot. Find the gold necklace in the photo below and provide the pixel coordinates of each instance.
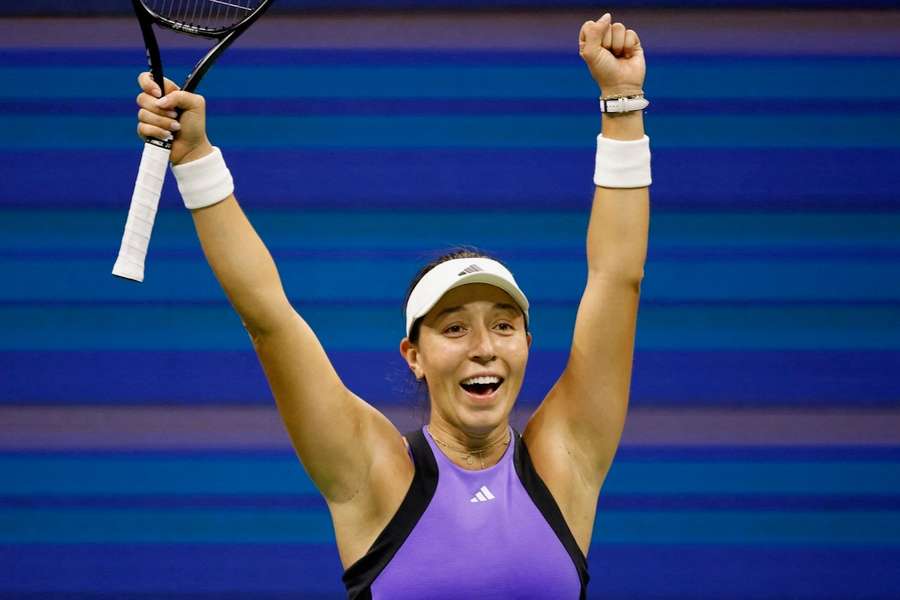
(468, 453)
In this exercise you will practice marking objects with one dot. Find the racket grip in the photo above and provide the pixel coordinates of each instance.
(142, 212)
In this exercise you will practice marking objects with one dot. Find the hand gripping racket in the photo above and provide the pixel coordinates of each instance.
(220, 20)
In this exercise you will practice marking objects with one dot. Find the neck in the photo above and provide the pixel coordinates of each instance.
(472, 452)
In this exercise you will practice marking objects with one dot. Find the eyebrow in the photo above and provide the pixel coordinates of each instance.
(497, 305)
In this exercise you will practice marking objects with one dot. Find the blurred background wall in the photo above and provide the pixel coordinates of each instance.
(140, 453)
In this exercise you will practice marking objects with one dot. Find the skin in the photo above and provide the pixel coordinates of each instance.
(353, 453)
(478, 338)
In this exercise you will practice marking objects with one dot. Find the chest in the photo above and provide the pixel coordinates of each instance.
(480, 536)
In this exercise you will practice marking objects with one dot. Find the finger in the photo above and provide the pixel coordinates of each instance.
(593, 31)
(180, 99)
(632, 42)
(607, 38)
(149, 85)
(148, 102)
(145, 116)
(618, 39)
(149, 131)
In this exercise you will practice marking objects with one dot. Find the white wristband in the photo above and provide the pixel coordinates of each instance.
(205, 181)
(622, 164)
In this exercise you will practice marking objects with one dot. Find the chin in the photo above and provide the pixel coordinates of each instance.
(484, 418)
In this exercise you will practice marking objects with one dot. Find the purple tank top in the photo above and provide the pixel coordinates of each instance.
(481, 534)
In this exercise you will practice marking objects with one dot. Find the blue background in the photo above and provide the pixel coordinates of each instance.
(772, 285)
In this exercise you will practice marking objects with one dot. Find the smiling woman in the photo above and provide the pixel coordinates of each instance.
(465, 506)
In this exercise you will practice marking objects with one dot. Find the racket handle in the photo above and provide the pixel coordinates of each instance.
(142, 212)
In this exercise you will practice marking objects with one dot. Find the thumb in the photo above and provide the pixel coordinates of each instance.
(180, 99)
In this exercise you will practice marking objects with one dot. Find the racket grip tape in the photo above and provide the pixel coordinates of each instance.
(142, 212)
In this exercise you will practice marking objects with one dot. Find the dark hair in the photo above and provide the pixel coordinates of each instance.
(454, 253)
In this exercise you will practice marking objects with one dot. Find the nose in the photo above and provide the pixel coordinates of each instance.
(482, 348)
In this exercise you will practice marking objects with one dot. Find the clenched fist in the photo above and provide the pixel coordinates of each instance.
(614, 56)
(159, 118)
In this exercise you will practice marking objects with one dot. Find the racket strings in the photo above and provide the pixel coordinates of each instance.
(206, 15)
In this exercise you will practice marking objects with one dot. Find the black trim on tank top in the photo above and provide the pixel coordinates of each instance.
(359, 577)
(546, 504)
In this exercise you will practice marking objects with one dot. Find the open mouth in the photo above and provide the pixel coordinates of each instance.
(482, 386)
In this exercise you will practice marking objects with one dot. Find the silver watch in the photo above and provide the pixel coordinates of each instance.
(622, 105)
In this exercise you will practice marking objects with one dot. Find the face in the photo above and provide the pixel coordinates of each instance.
(475, 330)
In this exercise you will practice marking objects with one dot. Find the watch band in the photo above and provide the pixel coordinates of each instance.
(621, 105)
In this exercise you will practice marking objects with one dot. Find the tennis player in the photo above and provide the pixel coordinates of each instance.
(466, 507)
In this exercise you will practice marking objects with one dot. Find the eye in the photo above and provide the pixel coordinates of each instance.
(506, 326)
(454, 329)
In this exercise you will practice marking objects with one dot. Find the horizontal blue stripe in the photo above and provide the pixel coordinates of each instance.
(160, 526)
(817, 528)
(180, 594)
(436, 106)
(772, 280)
(714, 572)
(239, 56)
(575, 253)
(122, 475)
(443, 132)
(769, 452)
(146, 475)
(342, 327)
(629, 453)
(478, 181)
(282, 571)
(688, 77)
(180, 501)
(630, 502)
(876, 528)
(668, 378)
(210, 571)
(322, 235)
(368, 233)
(623, 571)
(378, 304)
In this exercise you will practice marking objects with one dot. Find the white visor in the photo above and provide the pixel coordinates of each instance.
(454, 273)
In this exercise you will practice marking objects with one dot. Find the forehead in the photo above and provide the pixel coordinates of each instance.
(468, 296)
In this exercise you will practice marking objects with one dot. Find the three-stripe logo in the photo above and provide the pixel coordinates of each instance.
(469, 269)
(482, 495)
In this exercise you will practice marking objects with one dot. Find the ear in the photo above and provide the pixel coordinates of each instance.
(529, 338)
(410, 354)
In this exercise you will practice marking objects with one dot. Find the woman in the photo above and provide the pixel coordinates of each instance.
(465, 507)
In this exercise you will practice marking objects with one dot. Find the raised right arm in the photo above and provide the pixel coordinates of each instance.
(338, 437)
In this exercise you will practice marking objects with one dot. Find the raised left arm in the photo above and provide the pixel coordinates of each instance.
(593, 391)
(578, 425)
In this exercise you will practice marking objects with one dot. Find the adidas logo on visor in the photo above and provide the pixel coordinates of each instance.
(469, 269)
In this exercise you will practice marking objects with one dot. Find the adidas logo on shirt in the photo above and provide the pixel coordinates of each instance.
(482, 495)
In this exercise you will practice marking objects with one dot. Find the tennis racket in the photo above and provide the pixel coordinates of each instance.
(219, 20)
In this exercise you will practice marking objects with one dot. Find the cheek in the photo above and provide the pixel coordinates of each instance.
(442, 360)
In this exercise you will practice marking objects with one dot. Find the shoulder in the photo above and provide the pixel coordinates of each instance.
(562, 466)
(359, 521)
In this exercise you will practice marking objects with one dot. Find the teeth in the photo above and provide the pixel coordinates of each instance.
(481, 380)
